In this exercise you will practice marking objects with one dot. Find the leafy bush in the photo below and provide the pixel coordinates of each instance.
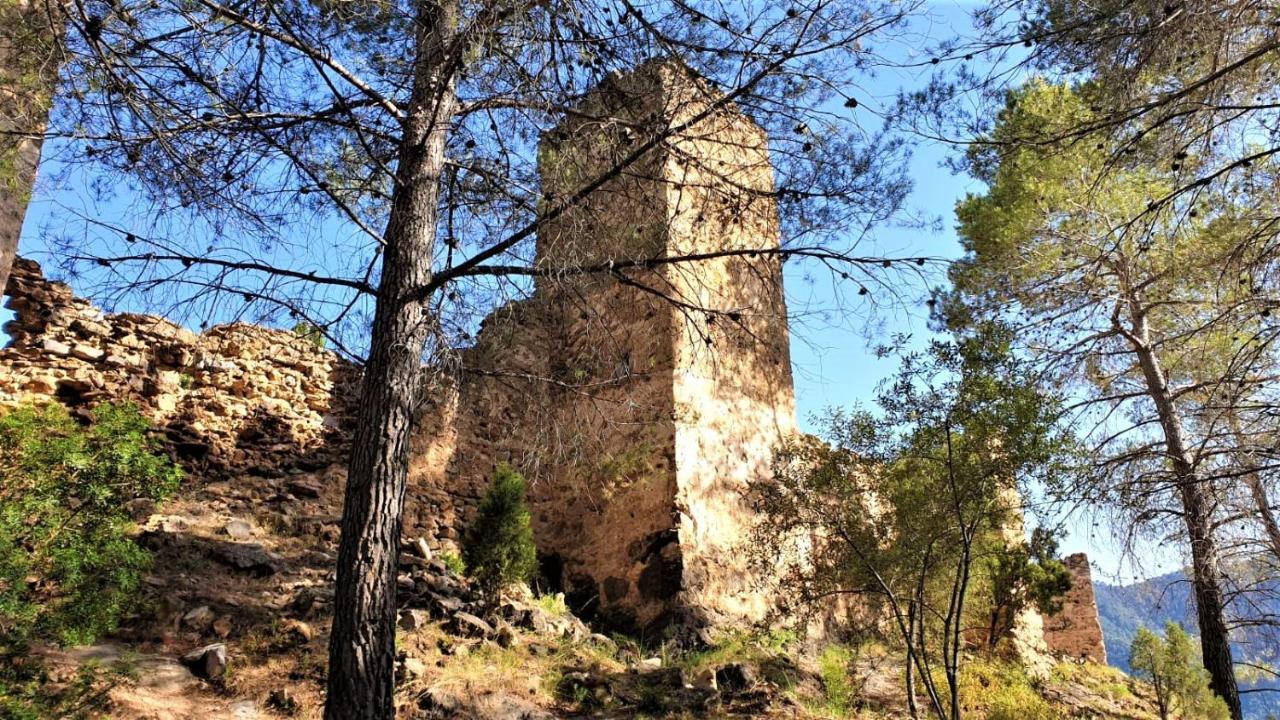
(1015, 576)
(498, 548)
(68, 568)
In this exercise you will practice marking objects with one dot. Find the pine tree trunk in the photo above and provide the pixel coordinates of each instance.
(1258, 491)
(1197, 505)
(361, 680)
(30, 41)
(1265, 515)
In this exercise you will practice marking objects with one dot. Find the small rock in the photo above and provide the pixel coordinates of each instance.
(297, 632)
(456, 649)
(653, 663)
(53, 347)
(424, 551)
(209, 662)
(603, 641)
(305, 487)
(199, 618)
(412, 619)
(469, 625)
(87, 353)
(412, 668)
(704, 679)
(238, 529)
(409, 560)
(506, 636)
(736, 677)
(222, 626)
(248, 557)
(283, 701)
(447, 604)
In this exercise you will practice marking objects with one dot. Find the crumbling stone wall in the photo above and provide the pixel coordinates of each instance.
(638, 402)
(1076, 632)
(233, 398)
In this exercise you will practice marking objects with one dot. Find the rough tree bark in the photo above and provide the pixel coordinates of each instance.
(30, 38)
(361, 679)
(1197, 506)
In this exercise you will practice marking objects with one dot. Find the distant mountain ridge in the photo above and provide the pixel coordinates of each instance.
(1122, 609)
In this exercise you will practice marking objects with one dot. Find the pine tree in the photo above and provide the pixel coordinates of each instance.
(498, 548)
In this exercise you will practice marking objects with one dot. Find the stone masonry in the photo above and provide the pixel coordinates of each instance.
(638, 402)
(1076, 632)
(235, 397)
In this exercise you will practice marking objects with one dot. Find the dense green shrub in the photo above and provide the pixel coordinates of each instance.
(68, 567)
(498, 548)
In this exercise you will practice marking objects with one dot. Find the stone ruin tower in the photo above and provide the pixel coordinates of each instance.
(638, 402)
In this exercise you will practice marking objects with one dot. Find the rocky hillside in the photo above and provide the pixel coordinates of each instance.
(238, 606)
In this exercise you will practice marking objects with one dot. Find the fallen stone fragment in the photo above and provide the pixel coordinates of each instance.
(238, 529)
(305, 487)
(248, 557)
(208, 662)
(506, 636)
(412, 668)
(412, 619)
(469, 625)
(199, 618)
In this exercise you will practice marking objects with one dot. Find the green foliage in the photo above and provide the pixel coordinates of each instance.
(1188, 283)
(453, 562)
(553, 604)
(27, 694)
(834, 667)
(1022, 575)
(1173, 669)
(63, 494)
(498, 547)
(310, 333)
(1002, 691)
(913, 500)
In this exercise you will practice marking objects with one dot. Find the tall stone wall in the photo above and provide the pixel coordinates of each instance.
(1076, 632)
(638, 402)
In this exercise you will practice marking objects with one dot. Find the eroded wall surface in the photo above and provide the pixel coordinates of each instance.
(1076, 632)
(234, 397)
(639, 390)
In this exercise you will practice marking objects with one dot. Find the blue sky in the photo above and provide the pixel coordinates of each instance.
(833, 362)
